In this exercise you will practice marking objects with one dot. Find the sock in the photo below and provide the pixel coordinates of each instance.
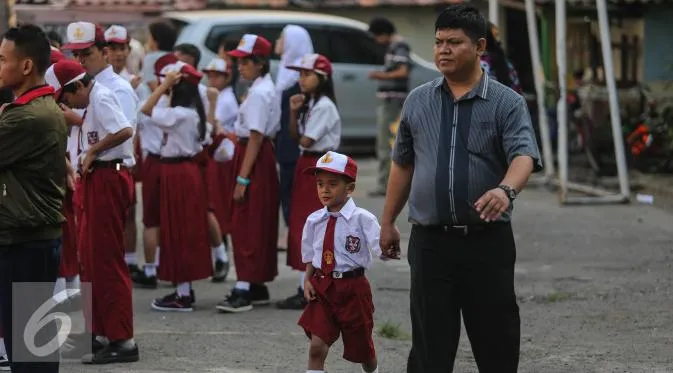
(127, 344)
(103, 340)
(302, 278)
(242, 285)
(220, 253)
(59, 287)
(72, 282)
(156, 261)
(131, 259)
(150, 269)
(2, 347)
(184, 288)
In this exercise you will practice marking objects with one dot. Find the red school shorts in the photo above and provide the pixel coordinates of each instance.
(342, 306)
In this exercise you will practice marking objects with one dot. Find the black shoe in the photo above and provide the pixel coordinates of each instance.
(174, 303)
(4, 363)
(113, 353)
(295, 302)
(133, 269)
(221, 271)
(143, 281)
(259, 295)
(237, 301)
(78, 345)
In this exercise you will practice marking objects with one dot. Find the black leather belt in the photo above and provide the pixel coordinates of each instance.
(464, 230)
(153, 155)
(358, 272)
(116, 164)
(313, 154)
(176, 159)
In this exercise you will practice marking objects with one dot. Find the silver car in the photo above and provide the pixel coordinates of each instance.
(344, 41)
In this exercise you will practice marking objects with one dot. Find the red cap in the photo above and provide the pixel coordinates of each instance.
(252, 45)
(82, 35)
(63, 73)
(335, 163)
(56, 55)
(189, 73)
(317, 63)
(163, 61)
(117, 34)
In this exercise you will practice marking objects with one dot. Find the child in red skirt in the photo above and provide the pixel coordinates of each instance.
(315, 124)
(337, 246)
(185, 254)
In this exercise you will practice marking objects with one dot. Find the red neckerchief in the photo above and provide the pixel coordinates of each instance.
(33, 93)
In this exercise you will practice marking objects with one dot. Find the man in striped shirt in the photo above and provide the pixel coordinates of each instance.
(464, 150)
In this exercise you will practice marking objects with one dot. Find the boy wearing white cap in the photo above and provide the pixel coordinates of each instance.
(337, 246)
(118, 40)
(106, 196)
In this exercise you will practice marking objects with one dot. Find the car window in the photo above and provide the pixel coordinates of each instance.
(354, 47)
(320, 38)
(228, 32)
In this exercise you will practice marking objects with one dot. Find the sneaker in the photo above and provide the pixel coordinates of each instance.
(173, 303)
(221, 271)
(113, 353)
(237, 301)
(78, 345)
(4, 363)
(143, 281)
(294, 302)
(259, 295)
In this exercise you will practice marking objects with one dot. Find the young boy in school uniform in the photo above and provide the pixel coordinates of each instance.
(337, 246)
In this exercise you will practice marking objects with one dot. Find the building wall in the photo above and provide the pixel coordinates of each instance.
(658, 48)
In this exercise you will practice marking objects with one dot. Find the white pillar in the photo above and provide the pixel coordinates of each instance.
(494, 12)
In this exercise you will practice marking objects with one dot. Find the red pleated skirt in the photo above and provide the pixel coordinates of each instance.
(221, 182)
(138, 172)
(303, 203)
(151, 173)
(69, 265)
(185, 252)
(254, 231)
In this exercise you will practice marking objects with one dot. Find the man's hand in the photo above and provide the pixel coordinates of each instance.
(135, 81)
(390, 241)
(377, 75)
(309, 291)
(71, 118)
(212, 94)
(239, 192)
(87, 162)
(70, 177)
(492, 204)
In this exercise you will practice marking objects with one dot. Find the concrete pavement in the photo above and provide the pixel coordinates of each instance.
(594, 284)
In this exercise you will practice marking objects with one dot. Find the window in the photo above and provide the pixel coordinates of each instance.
(320, 38)
(227, 32)
(354, 47)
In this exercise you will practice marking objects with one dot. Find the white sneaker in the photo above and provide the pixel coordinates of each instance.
(4, 364)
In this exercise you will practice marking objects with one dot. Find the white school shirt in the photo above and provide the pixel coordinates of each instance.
(73, 138)
(151, 135)
(104, 117)
(322, 124)
(203, 92)
(124, 92)
(227, 109)
(181, 130)
(260, 111)
(138, 90)
(356, 237)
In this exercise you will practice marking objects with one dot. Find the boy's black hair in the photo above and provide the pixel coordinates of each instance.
(381, 26)
(72, 87)
(164, 34)
(190, 50)
(228, 44)
(266, 67)
(55, 37)
(185, 94)
(31, 42)
(463, 17)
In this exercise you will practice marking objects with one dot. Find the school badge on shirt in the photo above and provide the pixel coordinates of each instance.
(353, 244)
(92, 137)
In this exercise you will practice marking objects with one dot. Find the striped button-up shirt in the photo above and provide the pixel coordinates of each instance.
(460, 148)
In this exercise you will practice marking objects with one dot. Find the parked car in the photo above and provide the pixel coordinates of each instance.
(346, 42)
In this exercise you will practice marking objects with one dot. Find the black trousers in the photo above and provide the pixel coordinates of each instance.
(32, 262)
(286, 180)
(473, 275)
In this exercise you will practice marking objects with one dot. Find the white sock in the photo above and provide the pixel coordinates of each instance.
(59, 287)
(242, 285)
(72, 282)
(315, 371)
(102, 340)
(220, 253)
(156, 261)
(302, 278)
(150, 269)
(2, 347)
(184, 288)
(129, 343)
(130, 258)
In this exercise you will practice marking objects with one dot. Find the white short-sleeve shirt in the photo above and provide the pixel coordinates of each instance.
(227, 109)
(203, 92)
(151, 136)
(260, 111)
(180, 126)
(321, 124)
(104, 116)
(123, 90)
(356, 237)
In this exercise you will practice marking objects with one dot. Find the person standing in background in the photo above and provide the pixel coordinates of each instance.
(495, 62)
(161, 37)
(293, 44)
(393, 89)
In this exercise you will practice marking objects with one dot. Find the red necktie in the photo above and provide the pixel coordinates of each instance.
(328, 260)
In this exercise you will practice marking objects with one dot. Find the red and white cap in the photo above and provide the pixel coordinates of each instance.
(56, 55)
(189, 73)
(252, 45)
(163, 61)
(63, 73)
(217, 65)
(317, 63)
(335, 163)
(82, 35)
(117, 34)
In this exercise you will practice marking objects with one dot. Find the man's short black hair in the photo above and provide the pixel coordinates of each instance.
(463, 17)
(228, 43)
(55, 37)
(190, 50)
(164, 34)
(381, 26)
(31, 42)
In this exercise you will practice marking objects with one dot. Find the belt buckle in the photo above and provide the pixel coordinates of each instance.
(118, 167)
(337, 275)
(463, 227)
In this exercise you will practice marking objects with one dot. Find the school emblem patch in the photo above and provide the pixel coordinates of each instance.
(92, 137)
(326, 159)
(78, 34)
(353, 244)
